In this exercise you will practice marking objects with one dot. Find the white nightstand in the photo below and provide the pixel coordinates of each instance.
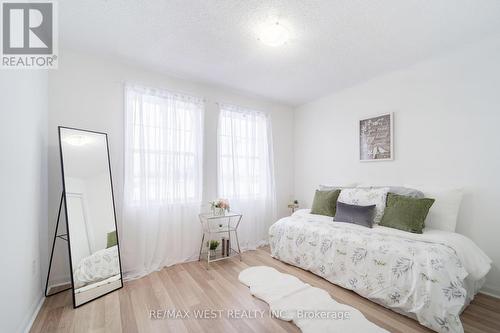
(293, 207)
(214, 225)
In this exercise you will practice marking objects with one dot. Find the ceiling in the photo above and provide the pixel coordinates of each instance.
(334, 43)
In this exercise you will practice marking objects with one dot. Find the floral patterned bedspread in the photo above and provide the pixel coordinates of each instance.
(97, 267)
(422, 279)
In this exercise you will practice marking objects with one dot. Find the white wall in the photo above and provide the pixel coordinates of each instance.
(78, 220)
(447, 114)
(87, 92)
(23, 194)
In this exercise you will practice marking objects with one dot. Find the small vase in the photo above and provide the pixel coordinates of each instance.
(213, 254)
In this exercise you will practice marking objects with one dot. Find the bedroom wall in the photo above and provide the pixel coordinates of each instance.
(446, 133)
(87, 92)
(23, 194)
(101, 215)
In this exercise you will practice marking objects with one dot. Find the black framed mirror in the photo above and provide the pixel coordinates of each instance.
(94, 251)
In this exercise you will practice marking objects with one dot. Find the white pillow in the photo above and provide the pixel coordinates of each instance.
(366, 197)
(400, 190)
(444, 212)
(328, 187)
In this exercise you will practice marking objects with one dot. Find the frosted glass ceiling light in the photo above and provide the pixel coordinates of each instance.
(273, 34)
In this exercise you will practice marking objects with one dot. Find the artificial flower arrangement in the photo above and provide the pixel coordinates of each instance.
(219, 206)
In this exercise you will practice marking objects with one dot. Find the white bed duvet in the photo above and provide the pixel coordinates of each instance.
(430, 276)
(97, 267)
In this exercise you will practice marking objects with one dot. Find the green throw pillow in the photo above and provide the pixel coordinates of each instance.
(111, 239)
(406, 213)
(325, 202)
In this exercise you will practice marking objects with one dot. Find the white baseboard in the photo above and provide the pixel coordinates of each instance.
(490, 292)
(30, 317)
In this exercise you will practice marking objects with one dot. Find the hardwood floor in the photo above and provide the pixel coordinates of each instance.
(191, 287)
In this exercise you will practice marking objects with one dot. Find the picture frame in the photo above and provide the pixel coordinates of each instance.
(376, 138)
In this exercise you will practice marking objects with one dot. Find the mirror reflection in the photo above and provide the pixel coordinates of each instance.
(90, 214)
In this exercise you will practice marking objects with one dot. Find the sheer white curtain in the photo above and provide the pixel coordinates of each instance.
(163, 179)
(246, 170)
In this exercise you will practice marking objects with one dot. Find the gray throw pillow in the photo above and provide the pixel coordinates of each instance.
(360, 215)
(323, 187)
(400, 190)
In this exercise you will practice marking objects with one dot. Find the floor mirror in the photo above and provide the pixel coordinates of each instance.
(94, 253)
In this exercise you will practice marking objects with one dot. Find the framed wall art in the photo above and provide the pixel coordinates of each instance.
(376, 138)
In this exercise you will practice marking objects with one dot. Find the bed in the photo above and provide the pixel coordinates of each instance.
(97, 274)
(97, 267)
(430, 277)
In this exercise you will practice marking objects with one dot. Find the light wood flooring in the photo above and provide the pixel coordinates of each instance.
(190, 286)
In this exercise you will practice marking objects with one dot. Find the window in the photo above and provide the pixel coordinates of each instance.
(163, 146)
(244, 154)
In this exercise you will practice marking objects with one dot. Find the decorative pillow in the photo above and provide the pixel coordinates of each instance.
(325, 202)
(366, 197)
(444, 213)
(111, 239)
(405, 213)
(360, 215)
(325, 187)
(401, 190)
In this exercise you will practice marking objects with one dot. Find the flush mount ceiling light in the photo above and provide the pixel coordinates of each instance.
(77, 140)
(273, 34)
